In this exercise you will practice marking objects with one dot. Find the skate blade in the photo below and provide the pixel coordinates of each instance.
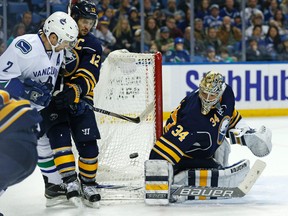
(95, 205)
(77, 202)
(56, 201)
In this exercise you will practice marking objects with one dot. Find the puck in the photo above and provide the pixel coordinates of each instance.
(133, 155)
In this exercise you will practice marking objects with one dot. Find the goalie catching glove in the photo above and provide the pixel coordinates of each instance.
(258, 141)
(69, 96)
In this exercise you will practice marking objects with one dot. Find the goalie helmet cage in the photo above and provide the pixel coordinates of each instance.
(128, 84)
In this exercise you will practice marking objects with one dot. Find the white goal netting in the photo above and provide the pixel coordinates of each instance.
(126, 86)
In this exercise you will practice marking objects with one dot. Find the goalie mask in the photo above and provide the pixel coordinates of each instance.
(63, 26)
(211, 89)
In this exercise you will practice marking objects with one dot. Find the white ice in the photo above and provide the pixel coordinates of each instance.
(268, 197)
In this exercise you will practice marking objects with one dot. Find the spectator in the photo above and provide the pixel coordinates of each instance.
(123, 34)
(109, 13)
(136, 45)
(2, 46)
(254, 52)
(229, 35)
(284, 6)
(229, 10)
(105, 36)
(224, 54)
(257, 34)
(280, 21)
(211, 55)
(270, 11)
(249, 10)
(186, 22)
(238, 22)
(134, 20)
(203, 9)
(165, 42)
(212, 39)
(27, 21)
(151, 28)
(159, 17)
(174, 30)
(171, 9)
(272, 41)
(256, 19)
(199, 32)
(102, 6)
(153, 48)
(213, 20)
(283, 49)
(148, 8)
(123, 9)
(18, 30)
(178, 54)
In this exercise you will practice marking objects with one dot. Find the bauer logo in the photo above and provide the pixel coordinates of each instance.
(250, 84)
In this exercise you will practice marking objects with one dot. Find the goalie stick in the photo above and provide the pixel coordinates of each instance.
(225, 192)
(136, 120)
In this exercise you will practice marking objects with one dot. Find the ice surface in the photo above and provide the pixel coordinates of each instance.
(268, 197)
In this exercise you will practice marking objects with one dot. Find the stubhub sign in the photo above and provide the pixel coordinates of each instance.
(260, 89)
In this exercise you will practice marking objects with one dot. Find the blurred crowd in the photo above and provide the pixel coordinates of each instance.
(217, 32)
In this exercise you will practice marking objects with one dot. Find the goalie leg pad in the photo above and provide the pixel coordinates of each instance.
(158, 179)
(228, 177)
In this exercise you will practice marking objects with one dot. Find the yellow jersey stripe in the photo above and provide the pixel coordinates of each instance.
(168, 151)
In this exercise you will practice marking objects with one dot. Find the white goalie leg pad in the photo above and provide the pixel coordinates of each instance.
(259, 141)
(158, 179)
(222, 153)
(233, 175)
(230, 176)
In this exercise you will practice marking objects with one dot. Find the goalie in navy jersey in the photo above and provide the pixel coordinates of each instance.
(69, 112)
(18, 152)
(195, 138)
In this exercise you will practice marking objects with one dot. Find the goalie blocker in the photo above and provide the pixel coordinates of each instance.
(161, 187)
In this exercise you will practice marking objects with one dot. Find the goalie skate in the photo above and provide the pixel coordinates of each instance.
(90, 195)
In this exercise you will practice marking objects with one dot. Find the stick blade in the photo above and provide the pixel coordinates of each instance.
(252, 176)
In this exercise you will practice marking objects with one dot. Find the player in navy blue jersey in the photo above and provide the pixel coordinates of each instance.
(69, 113)
(195, 136)
(18, 152)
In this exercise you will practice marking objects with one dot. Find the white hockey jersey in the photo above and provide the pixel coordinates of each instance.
(26, 57)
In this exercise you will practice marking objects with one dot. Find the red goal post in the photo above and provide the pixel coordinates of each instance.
(129, 83)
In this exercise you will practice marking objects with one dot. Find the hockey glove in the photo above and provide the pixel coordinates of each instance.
(77, 109)
(69, 96)
(36, 92)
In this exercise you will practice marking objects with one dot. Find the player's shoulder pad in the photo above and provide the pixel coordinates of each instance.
(93, 43)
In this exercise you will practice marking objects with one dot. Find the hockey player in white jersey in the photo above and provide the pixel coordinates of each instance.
(29, 69)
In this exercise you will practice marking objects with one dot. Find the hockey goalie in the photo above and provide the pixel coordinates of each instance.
(192, 154)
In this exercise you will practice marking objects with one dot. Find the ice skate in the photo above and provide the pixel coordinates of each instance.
(73, 192)
(90, 195)
(55, 194)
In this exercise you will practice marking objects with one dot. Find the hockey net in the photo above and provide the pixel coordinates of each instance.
(129, 83)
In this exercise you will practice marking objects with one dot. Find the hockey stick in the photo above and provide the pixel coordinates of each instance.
(226, 192)
(136, 120)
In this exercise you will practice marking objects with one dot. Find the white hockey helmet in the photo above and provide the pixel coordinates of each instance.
(211, 89)
(64, 26)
